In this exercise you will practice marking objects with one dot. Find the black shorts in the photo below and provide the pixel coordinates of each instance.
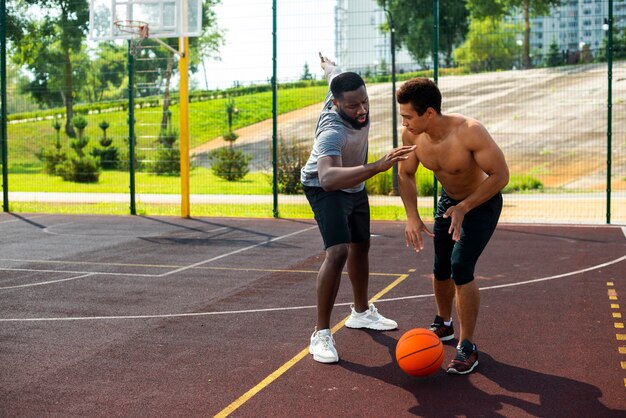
(457, 260)
(341, 217)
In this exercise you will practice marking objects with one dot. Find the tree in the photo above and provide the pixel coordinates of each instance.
(413, 21)
(106, 77)
(554, 57)
(162, 60)
(497, 9)
(46, 46)
(306, 73)
(490, 45)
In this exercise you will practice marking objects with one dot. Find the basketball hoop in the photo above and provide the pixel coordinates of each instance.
(141, 31)
(138, 28)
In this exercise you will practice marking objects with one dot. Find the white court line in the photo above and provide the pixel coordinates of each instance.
(83, 274)
(542, 279)
(48, 282)
(624, 231)
(291, 308)
(236, 252)
(178, 270)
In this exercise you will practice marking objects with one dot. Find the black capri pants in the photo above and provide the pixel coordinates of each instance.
(457, 260)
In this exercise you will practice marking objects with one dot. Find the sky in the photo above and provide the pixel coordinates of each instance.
(304, 27)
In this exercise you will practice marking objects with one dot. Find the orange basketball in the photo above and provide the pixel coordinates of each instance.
(419, 352)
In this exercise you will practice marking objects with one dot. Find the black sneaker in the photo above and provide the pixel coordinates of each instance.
(466, 358)
(444, 332)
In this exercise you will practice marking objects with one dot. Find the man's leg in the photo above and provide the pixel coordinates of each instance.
(358, 272)
(328, 281)
(444, 296)
(467, 305)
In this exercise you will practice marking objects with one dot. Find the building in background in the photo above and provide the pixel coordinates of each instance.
(360, 46)
(574, 25)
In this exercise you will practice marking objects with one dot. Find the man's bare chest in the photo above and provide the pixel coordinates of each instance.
(449, 157)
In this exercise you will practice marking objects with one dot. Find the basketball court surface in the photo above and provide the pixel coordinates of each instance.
(172, 317)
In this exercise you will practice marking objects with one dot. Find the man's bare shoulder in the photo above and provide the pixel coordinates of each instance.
(467, 126)
(408, 138)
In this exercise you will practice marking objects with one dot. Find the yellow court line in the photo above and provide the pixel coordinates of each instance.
(295, 359)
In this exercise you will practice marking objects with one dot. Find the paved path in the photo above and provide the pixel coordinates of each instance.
(549, 208)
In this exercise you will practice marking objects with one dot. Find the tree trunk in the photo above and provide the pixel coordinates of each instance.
(69, 95)
(527, 62)
(166, 100)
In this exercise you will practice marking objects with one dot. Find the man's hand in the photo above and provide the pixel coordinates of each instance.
(413, 234)
(324, 61)
(457, 215)
(393, 156)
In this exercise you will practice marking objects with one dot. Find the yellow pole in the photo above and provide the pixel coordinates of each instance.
(183, 66)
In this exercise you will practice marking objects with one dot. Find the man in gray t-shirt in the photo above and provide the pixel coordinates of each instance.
(334, 184)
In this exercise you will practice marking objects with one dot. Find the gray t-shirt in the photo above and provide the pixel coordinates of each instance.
(334, 136)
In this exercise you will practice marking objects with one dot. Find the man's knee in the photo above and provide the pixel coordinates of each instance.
(337, 254)
(362, 247)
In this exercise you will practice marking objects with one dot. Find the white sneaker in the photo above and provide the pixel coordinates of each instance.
(323, 347)
(370, 319)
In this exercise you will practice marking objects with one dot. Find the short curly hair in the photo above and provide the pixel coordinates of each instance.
(422, 93)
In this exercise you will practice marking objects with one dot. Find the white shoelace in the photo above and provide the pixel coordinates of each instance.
(327, 341)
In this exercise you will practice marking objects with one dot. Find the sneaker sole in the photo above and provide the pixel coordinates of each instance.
(374, 326)
(455, 371)
(447, 338)
(325, 360)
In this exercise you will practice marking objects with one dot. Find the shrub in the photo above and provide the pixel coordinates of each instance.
(80, 169)
(291, 158)
(52, 160)
(229, 163)
(167, 162)
(382, 183)
(230, 136)
(53, 157)
(518, 183)
(109, 157)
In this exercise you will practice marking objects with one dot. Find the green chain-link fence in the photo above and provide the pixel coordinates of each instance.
(549, 86)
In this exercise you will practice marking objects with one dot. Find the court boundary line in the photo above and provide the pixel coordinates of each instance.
(48, 282)
(178, 270)
(289, 308)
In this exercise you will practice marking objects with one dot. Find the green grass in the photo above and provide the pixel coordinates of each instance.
(201, 181)
(207, 121)
(286, 211)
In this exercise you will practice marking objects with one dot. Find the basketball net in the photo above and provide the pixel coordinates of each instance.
(138, 28)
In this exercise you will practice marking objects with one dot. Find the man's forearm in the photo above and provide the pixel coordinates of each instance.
(408, 194)
(336, 178)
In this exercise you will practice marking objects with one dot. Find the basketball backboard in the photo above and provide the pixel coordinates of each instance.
(165, 18)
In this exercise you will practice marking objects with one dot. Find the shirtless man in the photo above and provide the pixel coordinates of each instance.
(472, 171)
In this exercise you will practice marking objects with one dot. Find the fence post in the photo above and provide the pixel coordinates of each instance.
(274, 113)
(436, 79)
(3, 111)
(609, 106)
(131, 127)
